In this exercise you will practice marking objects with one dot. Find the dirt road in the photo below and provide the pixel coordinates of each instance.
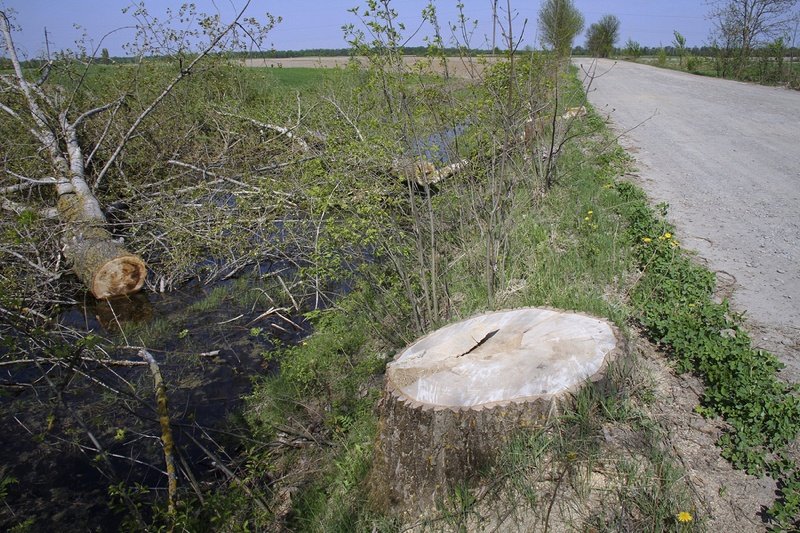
(726, 157)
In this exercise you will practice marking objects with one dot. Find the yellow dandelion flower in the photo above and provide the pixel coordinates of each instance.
(586, 218)
(668, 235)
(684, 517)
(590, 212)
(647, 239)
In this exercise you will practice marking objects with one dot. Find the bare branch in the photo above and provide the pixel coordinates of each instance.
(87, 65)
(38, 116)
(105, 131)
(14, 207)
(344, 115)
(108, 362)
(95, 111)
(16, 188)
(10, 111)
(43, 181)
(166, 429)
(219, 464)
(45, 74)
(50, 275)
(207, 172)
(286, 132)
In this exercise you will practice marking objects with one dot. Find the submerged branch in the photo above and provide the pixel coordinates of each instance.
(166, 429)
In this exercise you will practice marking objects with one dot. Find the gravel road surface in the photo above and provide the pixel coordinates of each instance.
(725, 156)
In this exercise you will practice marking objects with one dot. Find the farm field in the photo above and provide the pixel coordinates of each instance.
(468, 67)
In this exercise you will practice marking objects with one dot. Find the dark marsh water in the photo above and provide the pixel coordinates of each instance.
(210, 345)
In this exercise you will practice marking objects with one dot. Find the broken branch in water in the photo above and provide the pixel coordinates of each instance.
(166, 429)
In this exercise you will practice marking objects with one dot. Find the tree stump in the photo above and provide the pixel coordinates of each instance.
(453, 398)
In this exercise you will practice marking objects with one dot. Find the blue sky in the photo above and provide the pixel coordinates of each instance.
(317, 23)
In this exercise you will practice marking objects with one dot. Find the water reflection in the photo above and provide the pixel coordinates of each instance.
(114, 312)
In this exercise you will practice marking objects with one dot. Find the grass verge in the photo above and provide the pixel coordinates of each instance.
(674, 300)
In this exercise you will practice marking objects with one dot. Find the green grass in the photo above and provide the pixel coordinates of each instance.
(300, 78)
(308, 81)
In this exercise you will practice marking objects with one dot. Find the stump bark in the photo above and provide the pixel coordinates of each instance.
(455, 397)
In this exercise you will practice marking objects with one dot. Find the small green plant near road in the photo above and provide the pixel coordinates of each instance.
(662, 57)
(633, 49)
(679, 42)
(692, 63)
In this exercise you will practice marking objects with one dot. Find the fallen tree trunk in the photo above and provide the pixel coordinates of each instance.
(424, 173)
(103, 264)
(106, 267)
(456, 396)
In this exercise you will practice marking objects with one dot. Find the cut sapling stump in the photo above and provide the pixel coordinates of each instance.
(455, 397)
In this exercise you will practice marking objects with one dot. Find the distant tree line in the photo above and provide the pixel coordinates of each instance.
(700, 51)
(334, 52)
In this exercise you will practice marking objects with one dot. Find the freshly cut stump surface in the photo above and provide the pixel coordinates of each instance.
(455, 396)
(107, 268)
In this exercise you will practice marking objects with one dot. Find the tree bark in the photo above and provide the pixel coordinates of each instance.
(106, 267)
(454, 398)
